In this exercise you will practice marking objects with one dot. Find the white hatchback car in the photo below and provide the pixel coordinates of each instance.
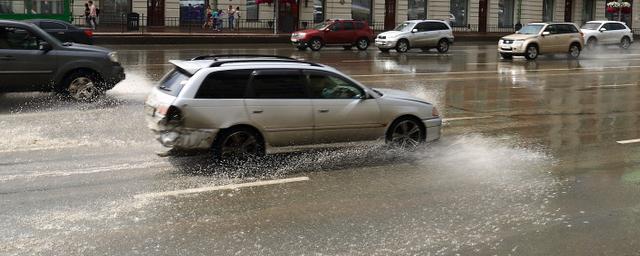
(423, 34)
(242, 104)
(607, 33)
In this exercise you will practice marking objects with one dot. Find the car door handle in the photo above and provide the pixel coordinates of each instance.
(258, 111)
(323, 111)
(61, 33)
(7, 58)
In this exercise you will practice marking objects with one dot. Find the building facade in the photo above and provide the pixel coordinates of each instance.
(470, 15)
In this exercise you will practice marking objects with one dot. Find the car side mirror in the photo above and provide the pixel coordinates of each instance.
(603, 29)
(546, 33)
(44, 46)
(415, 30)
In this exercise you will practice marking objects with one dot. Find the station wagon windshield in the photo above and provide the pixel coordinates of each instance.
(591, 26)
(530, 29)
(403, 27)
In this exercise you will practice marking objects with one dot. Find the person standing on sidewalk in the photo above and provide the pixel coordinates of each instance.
(220, 19)
(87, 11)
(208, 23)
(231, 14)
(215, 16)
(93, 15)
(236, 17)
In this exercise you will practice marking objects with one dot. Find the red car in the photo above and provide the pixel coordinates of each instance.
(345, 33)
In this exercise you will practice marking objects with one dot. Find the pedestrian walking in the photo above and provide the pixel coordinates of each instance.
(87, 11)
(208, 23)
(93, 15)
(236, 17)
(231, 16)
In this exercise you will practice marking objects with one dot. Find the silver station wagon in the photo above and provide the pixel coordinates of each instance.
(240, 105)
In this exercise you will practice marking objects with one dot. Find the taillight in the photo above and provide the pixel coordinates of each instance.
(434, 111)
(88, 32)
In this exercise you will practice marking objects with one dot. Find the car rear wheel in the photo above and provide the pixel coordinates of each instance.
(443, 46)
(315, 44)
(625, 43)
(531, 53)
(82, 86)
(506, 56)
(592, 43)
(406, 133)
(362, 44)
(238, 143)
(574, 51)
(402, 46)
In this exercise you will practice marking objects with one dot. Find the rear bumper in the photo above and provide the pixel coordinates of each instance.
(433, 126)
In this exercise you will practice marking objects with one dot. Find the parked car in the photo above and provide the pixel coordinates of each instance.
(242, 104)
(542, 38)
(607, 33)
(423, 34)
(64, 31)
(32, 60)
(345, 33)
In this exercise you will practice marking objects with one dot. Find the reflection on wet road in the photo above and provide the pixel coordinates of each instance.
(530, 163)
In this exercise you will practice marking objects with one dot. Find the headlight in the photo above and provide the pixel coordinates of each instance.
(113, 56)
(517, 42)
(299, 35)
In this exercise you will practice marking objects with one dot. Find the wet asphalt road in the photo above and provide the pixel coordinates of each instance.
(528, 164)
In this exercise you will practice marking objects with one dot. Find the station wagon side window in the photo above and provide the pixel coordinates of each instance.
(18, 39)
(230, 84)
(324, 85)
(278, 84)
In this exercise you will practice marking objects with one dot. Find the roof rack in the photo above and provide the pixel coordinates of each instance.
(291, 60)
(216, 56)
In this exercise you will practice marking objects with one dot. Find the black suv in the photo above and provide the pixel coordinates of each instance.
(32, 60)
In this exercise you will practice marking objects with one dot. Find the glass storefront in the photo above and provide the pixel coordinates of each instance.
(460, 10)
(417, 10)
(547, 10)
(318, 11)
(114, 11)
(361, 10)
(505, 13)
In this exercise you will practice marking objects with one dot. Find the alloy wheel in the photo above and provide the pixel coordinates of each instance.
(574, 51)
(363, 44)
(82, 88)
(406, 134)
(240, 144)
(402, 46)
(315, 45)
(532, 52)
(625, 43)
(443, 46)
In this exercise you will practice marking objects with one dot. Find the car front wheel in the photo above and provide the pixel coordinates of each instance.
(402, 46)
(531, 53)
(82, 86)
(574, 51)
(406, 133)
(315, 44)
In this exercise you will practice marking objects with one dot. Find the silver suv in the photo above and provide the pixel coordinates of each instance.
(423, 34)
(239, 105)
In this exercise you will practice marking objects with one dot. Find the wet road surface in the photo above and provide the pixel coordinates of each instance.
(529, 164)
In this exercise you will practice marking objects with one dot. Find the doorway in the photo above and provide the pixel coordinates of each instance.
(568, 10)
(482, 15)
(389, 14)
(155, 13)
(287, 16)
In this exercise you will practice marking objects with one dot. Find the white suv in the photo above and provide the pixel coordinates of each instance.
(238, 105)
(607, 33)
(423, 34)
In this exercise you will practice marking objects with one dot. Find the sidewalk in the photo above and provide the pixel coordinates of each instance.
(197, 35)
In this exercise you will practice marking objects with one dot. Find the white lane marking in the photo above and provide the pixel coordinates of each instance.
(628, 141)
(485, 72)
(91, 170)
(610, 85)
(465, 118)
(215, 188)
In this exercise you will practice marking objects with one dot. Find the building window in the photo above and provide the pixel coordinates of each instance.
(361, 10)
(547, 10)
(588, 11)
(459, 10)
(417, 10)
(192, 11)
(622, 14)
(318, 11)
(252, 10)
(505, 13)
(31, 7)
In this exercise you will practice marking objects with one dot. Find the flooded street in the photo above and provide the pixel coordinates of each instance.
(536, 158)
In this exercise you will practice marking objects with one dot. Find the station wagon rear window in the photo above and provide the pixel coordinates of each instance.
(173, 82)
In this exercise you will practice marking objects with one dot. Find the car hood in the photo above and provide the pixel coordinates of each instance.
(86, 48)
(307, 31)
(399, 94)
(519, 37)
(589, 31)
(391, 33)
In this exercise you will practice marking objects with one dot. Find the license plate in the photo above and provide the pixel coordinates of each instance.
(506, 48)
(150, 110)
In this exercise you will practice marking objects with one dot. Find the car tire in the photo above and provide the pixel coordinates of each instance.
(347, 48)
(574, 51)
(402, 46)
(301, 48)
(362, 44)
(531, 53)
(443, 46)
(82, 86)
(506, 56)
(406, 133)
(384, 50)
(238, 143)
(592, 43)
(315, 44)
(625, 43)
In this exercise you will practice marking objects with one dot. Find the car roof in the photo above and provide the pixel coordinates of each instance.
(194, 65)
(551, 23)
(14, 22)
(48, 20)
(415, 21)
